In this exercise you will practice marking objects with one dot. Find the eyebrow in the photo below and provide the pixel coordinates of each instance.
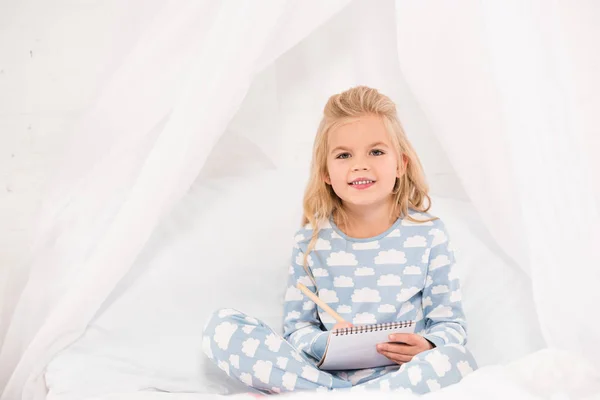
(345, 148)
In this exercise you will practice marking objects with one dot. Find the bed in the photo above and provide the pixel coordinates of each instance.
(146, 338)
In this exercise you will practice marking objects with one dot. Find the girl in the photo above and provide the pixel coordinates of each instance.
(370, 250)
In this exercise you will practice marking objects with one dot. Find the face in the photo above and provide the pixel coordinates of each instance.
(361, 151)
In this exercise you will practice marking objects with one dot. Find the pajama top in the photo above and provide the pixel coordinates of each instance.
(405, 273)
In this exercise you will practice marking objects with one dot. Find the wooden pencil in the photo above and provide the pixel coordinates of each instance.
(320, 303)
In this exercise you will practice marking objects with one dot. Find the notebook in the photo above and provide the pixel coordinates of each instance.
(355, 347)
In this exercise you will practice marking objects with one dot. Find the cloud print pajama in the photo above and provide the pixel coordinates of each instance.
(405, 273)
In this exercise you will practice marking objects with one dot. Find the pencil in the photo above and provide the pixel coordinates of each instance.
(320, 303)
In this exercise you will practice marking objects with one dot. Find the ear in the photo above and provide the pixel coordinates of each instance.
(326, 179)
(402, 171)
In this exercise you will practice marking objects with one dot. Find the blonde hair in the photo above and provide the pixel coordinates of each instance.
(321, 202)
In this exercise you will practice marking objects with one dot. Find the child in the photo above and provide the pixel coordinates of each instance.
(370, 250)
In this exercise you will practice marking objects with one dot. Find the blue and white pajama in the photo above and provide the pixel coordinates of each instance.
(405, 273)
(250, 351)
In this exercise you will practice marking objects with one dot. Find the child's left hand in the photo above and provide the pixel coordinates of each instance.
(408, 345)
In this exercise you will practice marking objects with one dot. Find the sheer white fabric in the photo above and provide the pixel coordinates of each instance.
(508, 89)
(135, 153)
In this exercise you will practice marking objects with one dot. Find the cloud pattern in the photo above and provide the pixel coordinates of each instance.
(407, 274)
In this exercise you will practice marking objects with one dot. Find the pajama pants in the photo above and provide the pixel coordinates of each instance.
(250, 351)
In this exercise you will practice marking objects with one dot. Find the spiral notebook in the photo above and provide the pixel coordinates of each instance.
(355, 347)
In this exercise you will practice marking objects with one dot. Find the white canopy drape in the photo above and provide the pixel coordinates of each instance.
(511, 92)
(508, 88)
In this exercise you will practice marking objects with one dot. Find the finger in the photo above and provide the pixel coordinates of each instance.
(408, 338)
(398, 348)
(342, 325)
(397, 358)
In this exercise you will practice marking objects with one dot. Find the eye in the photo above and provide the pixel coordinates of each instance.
(378, 151)
(342, 154)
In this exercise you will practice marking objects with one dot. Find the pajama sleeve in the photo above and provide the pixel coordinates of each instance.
(301, 324)
(442, 307)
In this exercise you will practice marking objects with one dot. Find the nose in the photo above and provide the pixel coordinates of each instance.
(359, 165)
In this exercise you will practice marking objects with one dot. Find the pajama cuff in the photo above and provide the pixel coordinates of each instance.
(436, 340)
(319, 344)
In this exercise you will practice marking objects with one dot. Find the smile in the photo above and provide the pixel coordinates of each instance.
(362, 184)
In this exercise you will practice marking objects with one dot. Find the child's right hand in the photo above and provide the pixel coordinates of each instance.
(344, 324)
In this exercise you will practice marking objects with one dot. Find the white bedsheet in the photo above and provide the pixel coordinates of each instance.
(147, 335)
(547, 374)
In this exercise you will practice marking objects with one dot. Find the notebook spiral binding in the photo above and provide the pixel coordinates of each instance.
(370, 328)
